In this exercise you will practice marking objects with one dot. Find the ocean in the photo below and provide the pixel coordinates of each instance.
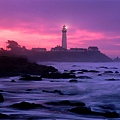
(100, 91)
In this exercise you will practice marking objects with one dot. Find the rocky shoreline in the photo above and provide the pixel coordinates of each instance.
(15, 66)
(30, 71)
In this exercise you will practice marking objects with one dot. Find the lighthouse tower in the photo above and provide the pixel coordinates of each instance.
(64, 37)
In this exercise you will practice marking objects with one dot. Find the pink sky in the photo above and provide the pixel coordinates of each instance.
(38, 23)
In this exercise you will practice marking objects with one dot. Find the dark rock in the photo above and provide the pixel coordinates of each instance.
(65, 70)
(82, 110)
(29, 90)
(55, 91)
(66, 102)
(108, 72)
(14, 65)
(72, 71)
(28, 77)
(58, 75)
(1, 98)
(94, 71)
(84, 77)
(26, 105)
(116, 72)
(112, 79)
(88, 111)
(103, 67)
(58, 91)
(12, 80)
(74, 65)
(84, 70)
(111, 115)
(73, 81)
(4, 116)
(99, 74)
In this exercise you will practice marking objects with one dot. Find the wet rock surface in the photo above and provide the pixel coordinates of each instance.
(26, 105)
(1, 98)
(88, 111)
(15, 65)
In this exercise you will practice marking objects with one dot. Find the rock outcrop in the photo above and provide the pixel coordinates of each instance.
(13, 66)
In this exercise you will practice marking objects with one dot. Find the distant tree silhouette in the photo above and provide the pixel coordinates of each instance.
(13, 45)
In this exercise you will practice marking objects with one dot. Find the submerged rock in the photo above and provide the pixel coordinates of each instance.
(55, 91)
(66, 102)
(102, 67)
(116, 72)
(73, 71)
(99, 74)
(1, 98)
(26, 105)
(94, 71)
(84, 77)
(112, 79)
(107, 72)
(29, 90)
(12, 80)
(73, 80)
(84, 70)
(28, 77)
(58, 75)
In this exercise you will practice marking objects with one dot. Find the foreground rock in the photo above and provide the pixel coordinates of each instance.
(88, 111)
(13, 66)
(4, 116)
(1, 98)
(26, 105)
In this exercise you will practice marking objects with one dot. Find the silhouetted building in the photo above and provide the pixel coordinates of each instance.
(78, 50)
(58, 48)
(64, 37)
(93, 48)
(39, 49)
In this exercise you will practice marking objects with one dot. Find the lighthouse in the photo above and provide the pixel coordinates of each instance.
(64, 37)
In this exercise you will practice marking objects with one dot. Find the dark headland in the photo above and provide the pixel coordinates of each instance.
(57, 54)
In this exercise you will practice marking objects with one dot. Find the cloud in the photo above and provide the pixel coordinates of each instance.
(90, 22)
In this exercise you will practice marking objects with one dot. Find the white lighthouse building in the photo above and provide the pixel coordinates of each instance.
(64, 37)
